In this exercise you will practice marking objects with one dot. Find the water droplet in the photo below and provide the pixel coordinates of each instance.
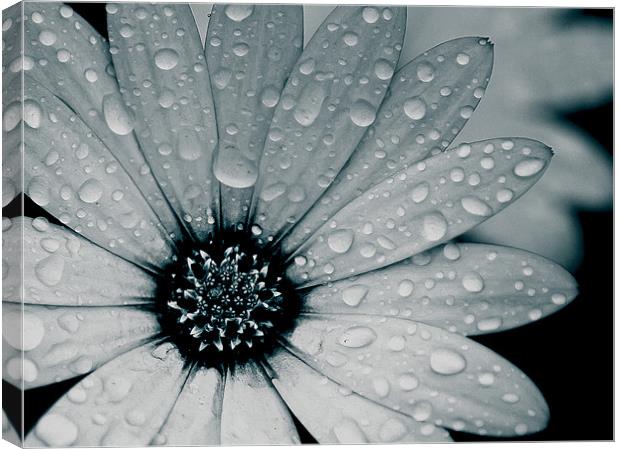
(237, 13)
(12, 116)
(486, 379)
(350, 38)
(90, 75)
(349, 432)
(425, 72)
(357, 337)
(362, 113)
(370, 14)
(307, 66)
(384, 69)
(354, 294)
(422, 410)
(415, 108)
(510, 398)
(405, 288)
(447, 362)
(396, 343)
(270, 96)
(558, 299)
(309, 105)
(38, 191)
(33, 114)
(90, 191)
(476, 206)
(473, 282)
(408, 382)
(273, 191)
(50, 270)
(117, 117)
(47, 37)
(529, 167)
(462, 59)
(489, 324)
(392, 430)
(233, 169)
(504, 195)
(189, 146)
(434, 227)
(381, 386)
(117, 388)
(340, 241)
(166, 58)
(56, 430)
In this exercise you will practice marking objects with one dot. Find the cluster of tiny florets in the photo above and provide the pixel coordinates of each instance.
(225, 305)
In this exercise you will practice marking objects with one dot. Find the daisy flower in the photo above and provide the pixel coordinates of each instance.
(254, 230)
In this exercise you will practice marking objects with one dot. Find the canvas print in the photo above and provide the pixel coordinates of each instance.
(238, 224)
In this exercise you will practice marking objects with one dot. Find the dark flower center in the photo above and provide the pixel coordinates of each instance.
(225, 301)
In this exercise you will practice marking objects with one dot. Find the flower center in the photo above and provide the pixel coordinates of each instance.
(225, 302)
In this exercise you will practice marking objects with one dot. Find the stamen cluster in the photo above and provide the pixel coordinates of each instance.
(227, 304)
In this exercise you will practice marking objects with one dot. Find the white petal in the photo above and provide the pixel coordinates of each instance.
(12, 65)
(74, 64)
(330, 99)
(465, 288)
(71, 174)
(428, 103)
(123, 403)
(421, 207)
(61, 268)
(163, 77)
(64, 342)
(252, 412)
(250, 52)
(422, 371)
(8, 431)
(334, 414)
(195, 417)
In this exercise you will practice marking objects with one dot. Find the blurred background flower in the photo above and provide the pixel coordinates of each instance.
(548, 63)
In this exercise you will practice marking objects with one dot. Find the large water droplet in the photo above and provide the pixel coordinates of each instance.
(50, 270)
(56, 430)
(238, 13)
(233, 169)
(340, 241)
(362, 113)
(90, 191)
(529, 167)
(473, 282)
(434, 227)
(354, 294)
(349, 432)
(447, 362)
(384, 69)
(415, 108)
(33, 114)
(425, 72)
(357, 337)
(476, 206)
(117, 117)
(166, 58)
(188, 144)
(392, 430)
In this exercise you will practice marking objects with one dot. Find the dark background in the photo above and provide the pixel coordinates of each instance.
(568, 355)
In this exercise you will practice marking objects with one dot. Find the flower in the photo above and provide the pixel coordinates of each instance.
(271, 233)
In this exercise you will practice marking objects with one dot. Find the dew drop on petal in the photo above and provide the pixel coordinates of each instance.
(233, 169)
(370, 14)
(425, 72)
(384, 69)
(362, 113)
(392, 430)
(489, 324)
(117, 117)
(354, 294)
(472, 282)
(447, 362)
(166, 58)
(529, 167)
(422, 410)
(476, 206)
(91, 191)
(408, 382)
(47, 37)
(340, 241)
(405, 288)
(434, 227)
(237, 13)
(357, 337)
(56, 430)
(415, 108)
(349, 432)
(49, 270)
